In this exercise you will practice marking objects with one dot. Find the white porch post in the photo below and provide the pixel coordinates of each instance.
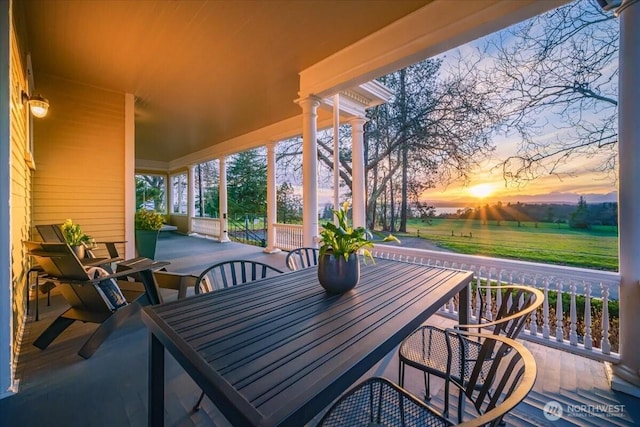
(222, 191)
(309, 170)
(629, 200)
(272, 204)
(191, 198)
(358, 183)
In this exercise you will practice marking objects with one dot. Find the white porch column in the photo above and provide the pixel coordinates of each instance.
(222, 191)
(629, 200)
(358, 183)
(191, 198)
(309, 170)
(272, 203)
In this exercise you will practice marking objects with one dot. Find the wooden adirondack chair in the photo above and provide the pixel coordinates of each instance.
(88, 296)
(52, 233)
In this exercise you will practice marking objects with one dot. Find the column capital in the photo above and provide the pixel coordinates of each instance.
(308, 102)
(357, 121)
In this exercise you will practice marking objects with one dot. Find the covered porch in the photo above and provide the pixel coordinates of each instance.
(114, 128)
(111, 387)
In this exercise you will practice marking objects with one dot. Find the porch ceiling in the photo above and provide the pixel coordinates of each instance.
(202, 72)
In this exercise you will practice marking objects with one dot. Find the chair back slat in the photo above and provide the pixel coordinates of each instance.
(50, 233)
(302, 258)
(502, 374)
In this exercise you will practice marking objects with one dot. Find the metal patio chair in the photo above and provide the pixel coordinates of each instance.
(230, 273)
(509, 378)
(426, 348)
(302, 258)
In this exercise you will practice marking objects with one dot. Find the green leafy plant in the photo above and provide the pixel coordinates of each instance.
(73, 234)
(343, 240)
(148, 220)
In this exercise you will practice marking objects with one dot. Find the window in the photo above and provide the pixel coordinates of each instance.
(151, 192)
(179, 185)
(206, 191)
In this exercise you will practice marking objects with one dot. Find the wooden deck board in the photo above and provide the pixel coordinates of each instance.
(57, 387)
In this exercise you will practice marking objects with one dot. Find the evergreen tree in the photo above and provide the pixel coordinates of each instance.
(580, 217)
(247, 184)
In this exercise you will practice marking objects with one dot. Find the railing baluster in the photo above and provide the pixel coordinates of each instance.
(559, 315)
(588, 339)
(573, 335)
(488, 297)
(605, 345)
(545, 310)
(533, 325)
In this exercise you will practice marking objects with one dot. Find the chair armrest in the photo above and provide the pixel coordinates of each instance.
(177, 281)
(151, 265)
(94, 262)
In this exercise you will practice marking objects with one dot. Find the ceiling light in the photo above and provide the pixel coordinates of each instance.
(37, 104)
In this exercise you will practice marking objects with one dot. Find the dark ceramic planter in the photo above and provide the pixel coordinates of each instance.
(338, 275)
(146, 243)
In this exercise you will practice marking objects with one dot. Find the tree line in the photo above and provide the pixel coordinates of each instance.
(580, 216)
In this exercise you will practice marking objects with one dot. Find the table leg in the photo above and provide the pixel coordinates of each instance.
(156, 382)
(463, 305)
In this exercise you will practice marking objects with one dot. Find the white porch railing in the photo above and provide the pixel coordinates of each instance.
(206, 226)
(288, 236)
(591, 337)
(594, 339)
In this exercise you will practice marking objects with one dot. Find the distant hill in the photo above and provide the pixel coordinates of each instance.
(568, 198)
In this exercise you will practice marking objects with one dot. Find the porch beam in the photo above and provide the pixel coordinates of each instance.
(435, 28)
(628, 370)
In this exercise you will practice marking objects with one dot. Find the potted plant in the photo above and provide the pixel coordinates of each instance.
(147, 225)
(75, 237)
(338, 264)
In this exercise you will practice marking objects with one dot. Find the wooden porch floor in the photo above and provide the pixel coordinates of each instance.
(57, 387)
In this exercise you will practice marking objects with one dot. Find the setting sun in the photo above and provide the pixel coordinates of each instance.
(481, 191)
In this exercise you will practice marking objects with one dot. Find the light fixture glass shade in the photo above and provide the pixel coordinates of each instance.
(38, 106)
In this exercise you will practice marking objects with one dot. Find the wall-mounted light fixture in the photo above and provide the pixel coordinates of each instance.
(37, 104)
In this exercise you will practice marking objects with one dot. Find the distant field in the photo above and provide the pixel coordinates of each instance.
(549, 243)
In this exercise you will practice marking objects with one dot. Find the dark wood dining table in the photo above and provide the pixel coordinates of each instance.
(277, 351)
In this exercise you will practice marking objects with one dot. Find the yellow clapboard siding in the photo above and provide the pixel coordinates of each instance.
(20, 189)
(80, 159)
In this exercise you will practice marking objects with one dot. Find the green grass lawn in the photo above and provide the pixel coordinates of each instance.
(548, 243)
